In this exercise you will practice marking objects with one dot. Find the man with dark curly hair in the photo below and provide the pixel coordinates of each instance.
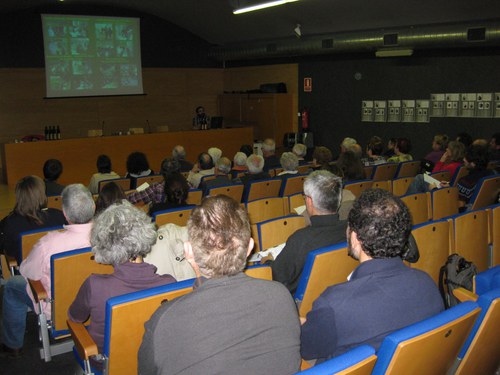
(382, 294)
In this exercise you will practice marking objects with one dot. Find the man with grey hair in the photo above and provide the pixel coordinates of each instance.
(239, 164)
(215, 153)
(255, 165)
(231, 323)
(78, 209)
(300, 150)
(222, 170)
(289, 163)
(179, 154)
(271, 161)
(323, 194)
(204, 167)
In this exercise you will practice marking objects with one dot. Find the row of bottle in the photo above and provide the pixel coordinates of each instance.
(52, 133)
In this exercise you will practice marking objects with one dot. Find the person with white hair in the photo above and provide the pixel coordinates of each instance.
(133, 236)
(239, 164)
(271, 161)
(300, 150)
(78, 208)
(289, 163)
(347, 144)
(179, 154)
(230, 323)
(215, 153)
(255, 165)
(222, 171)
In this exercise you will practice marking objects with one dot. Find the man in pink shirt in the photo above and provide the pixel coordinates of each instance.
(78, 208)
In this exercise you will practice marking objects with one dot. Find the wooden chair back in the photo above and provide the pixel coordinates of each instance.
(369, 171)
(265, 209)
(292, 185)
(357, 361)
(276, 231)
(152, 179)
(234, 191)
(54, 201)
(400, 185)
(486, 192)
(324, 267)
(419, 205)
(125, 318)
(263, 189)
(68, 271)
(444, 202)
(275, 171)
(124, 183)
(294, 201)
(304, 169)
(357, 187)
(434, 242)
(177, 216)
(435, 341)
(471, 237)
(259, 271)
(442, 175)
(481, 352)
(495, 235)
(384, 172)
(408, 169)
(206, 178)
(30, 238)
(384, 185)
(194, 197)
(459, 173)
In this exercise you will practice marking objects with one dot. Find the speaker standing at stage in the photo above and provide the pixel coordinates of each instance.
(201, 121)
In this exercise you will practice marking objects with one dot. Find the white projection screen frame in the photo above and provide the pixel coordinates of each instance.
(91, 55)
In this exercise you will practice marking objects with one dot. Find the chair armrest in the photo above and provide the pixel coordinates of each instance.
(11, 261)
(464, 295)
(38, 290)
(85, 345)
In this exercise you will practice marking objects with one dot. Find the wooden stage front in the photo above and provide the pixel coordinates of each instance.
(79, 156)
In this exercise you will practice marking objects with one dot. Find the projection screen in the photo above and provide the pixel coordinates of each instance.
(91, 56)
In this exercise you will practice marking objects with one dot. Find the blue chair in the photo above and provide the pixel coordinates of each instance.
(262, 189)
(487, 280)
(178, 216)
(324, 267)
(427, 347)
(234, 191)
(481, 352)
(259, 271)
(123, 335)
(408, 169)
(276, 231)
(357, 187)
(384, 172)
(292, 184)
(486, 192)
(359, 360)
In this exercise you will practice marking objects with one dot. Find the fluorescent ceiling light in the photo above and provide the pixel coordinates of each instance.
(262, 6)
(394, 52)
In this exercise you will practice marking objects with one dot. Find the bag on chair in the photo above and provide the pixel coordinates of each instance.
(457, 272)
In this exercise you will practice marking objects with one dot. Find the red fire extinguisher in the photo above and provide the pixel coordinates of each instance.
(304, 114)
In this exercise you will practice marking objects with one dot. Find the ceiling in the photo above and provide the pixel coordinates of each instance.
(213, 20)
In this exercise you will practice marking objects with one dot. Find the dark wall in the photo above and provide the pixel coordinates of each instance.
(335, 101)
(162, 43)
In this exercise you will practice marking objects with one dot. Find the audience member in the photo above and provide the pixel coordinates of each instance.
(222, 173)
(78, 208)
(137, 166)
(346, 144)
(495, 147)
(104, 172)
(52, 170)
(255, 165)
(204, 167)
(465, 138)
(439, 144)
(450, 161)
(201, 121)
(247, 150)
(402, 151)
(300, 150)
(271, 161)
(391, 144)
(480, 142)
(382, 294)
(110, 193)
(239, 164)
(176, 190)
(289, 163)
(352, 166)
(30, 212)
(348, 197)
(374, 151)
(133, 236)
(322, 156)
(179, 154)
(323, 194)
(215, 153)
(231, 323)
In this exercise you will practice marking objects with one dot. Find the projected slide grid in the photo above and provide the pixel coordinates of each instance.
(87, 55)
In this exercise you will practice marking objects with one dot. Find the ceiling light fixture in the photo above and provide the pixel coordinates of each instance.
(262, 6)
(394, 52)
